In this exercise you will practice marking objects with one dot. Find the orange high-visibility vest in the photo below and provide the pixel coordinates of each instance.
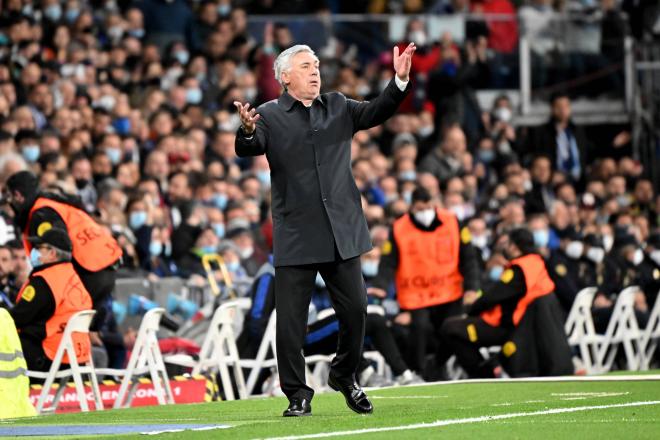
(93, 246)
(70, 297)
(537, 282)
(428, 272)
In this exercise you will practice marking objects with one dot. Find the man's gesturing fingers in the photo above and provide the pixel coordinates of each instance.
(248, 116)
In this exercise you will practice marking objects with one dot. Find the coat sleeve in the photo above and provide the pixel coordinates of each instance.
(368, 114)
(504, 290)
(34, 308)
(255, 144)
(389, 262)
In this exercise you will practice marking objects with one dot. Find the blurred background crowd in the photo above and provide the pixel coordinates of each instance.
(129, 106)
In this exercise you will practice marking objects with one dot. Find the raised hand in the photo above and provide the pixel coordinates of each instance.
(248, 117)
(403, 62)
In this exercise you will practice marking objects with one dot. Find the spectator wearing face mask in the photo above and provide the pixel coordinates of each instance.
(593, 266)
(432, 263)
(624, 267)
(563, 267)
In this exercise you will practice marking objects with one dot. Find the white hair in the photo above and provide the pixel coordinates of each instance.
(283, 61)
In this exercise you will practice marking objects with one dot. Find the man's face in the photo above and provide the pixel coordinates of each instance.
(20, 260)
(303, 79)
(6, 262)
(561, 109)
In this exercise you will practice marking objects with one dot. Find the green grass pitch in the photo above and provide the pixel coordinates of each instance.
(464, 410)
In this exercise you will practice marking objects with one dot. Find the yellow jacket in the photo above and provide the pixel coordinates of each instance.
(14, 384)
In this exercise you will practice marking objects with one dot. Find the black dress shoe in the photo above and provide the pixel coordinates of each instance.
(298, 407)
(356, 399)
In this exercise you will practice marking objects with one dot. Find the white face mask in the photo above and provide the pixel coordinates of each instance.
(608, 242)
(425, 217)
(574, 249)
(418, 37)
(638, 257)
(480, 241)
(655, 256)
(503, 114)
(596, 254)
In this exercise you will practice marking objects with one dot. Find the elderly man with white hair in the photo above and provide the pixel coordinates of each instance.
(318, 223)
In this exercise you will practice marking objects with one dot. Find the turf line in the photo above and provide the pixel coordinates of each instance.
(467, 420)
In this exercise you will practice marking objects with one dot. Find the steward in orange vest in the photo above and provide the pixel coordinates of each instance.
(52, 293)
(432, 262)
(95, 251)
(496, 313)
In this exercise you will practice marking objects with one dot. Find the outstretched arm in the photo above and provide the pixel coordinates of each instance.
(370, 113)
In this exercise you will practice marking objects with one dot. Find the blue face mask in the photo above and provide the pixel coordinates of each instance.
(31, 153)
(71, 15)
(233, 266)
(53, 12)
(122, 125)
(114, 154)
(220, 201)
(35, 257)
(370, 268)
(155, 248)
(137, 219)
(182, 56)
(541, 238)
(495, 272)
(219, 229)
(168, 249)
(207, 250)
(193, 96)
(486, 156)
(264, 177)
(409, 175)
(137, 33)
(224, 9)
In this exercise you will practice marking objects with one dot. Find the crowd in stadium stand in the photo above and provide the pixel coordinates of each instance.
(129, 106)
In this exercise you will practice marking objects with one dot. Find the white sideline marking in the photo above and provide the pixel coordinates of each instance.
(517, 403)
(407, 397)
(593, 394)
(467, 420)
(611, 378)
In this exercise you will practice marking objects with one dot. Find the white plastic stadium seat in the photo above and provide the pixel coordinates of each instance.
(79, 322)
(146, 358)
(580, 331)
(218, 351)
(650, 336)
(621, 330)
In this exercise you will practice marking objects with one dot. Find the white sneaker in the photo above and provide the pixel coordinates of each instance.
(408, 378)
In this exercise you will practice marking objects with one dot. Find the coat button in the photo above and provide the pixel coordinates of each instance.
(324, 199)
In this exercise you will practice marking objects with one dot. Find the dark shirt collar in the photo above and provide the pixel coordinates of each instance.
(287, 101)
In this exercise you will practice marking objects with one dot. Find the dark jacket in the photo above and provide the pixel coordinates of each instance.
(315, 203)
(541, 347)
(543, 141)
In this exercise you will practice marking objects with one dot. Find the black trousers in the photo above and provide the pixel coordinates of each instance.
(464, 336)
(377, 333)
(99, 285)
(293, 293)
(424, 333)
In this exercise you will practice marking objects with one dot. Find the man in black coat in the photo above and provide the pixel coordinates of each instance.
(561, 140)
(318, 224)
